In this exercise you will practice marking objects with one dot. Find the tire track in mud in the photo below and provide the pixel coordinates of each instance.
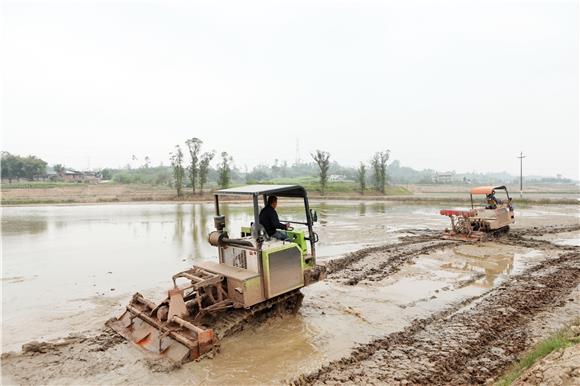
(546, 230)
(344, 262)
(463, 345)
(525, 237)
(376, 263)
(385, 263)
(531, 242)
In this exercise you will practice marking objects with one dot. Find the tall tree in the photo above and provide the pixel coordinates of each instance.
(204, 168)
(322, 160)
(383, 159)
(11, 166)
(361, 177)
(194, 146)
(379, 163)
(178, 171)
(376, 165)
(224, 170)
(59, 169)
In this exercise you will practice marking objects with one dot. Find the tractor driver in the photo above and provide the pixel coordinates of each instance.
(492, 202)
(269, 220)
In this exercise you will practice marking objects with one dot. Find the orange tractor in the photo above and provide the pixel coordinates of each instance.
(491, 218)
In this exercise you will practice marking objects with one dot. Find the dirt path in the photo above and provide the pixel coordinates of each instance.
(469, 343)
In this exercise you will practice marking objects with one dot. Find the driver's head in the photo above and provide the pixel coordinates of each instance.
(273, 201)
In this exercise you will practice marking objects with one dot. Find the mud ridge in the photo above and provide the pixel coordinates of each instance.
(462, 345)
(534, 243)
(420, 235)
(385, 261)
(347, 260)
(75, 357)
(546, 230)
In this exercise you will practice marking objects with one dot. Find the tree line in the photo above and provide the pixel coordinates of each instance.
(17, 167)
(191, 167)
(378, 163)
(198, 167)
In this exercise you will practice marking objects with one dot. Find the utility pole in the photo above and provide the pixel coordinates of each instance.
(297, 160)
(521, 157)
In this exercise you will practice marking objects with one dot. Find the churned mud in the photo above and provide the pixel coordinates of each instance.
(382, 262)
(421, 311)
(73, 357)
(473, 341)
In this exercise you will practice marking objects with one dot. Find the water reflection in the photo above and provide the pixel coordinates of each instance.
(31, 225)
(322, 213)
(488, 262)
(198, 228)
(179, 229)
(362, 209)
(380, 207)
(60, 224)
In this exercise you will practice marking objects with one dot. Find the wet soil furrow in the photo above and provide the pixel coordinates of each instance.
(376, 263)
(468, 346)
(382, 263)
(534, 243)
(349, 259)
(546, 230)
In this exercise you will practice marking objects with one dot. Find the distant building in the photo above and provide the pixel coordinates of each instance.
(70, 175)
(336, 177)
(51, 174)
(92, 177)
(449, 178)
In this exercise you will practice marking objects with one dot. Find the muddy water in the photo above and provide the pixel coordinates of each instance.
(61, 261)
(68, 269)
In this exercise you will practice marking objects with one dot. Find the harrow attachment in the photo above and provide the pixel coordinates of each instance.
(462, 228)
(173, 328)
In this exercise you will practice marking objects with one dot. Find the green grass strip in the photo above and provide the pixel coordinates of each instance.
(560, 339)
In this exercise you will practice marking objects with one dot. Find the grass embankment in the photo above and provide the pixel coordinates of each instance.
(31, 193)
(42, 185)
(68, 193)
(561, 339)
(312, 184)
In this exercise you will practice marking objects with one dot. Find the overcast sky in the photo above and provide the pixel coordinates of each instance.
(461, 85)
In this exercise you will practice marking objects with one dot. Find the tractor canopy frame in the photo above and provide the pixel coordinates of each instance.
(486, 190)
(291, 191)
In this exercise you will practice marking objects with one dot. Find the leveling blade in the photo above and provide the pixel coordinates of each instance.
(177, 339)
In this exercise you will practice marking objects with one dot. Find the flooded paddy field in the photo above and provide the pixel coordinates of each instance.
(395, 292)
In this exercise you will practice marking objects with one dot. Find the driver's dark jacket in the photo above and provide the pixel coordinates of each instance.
(269, 220)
